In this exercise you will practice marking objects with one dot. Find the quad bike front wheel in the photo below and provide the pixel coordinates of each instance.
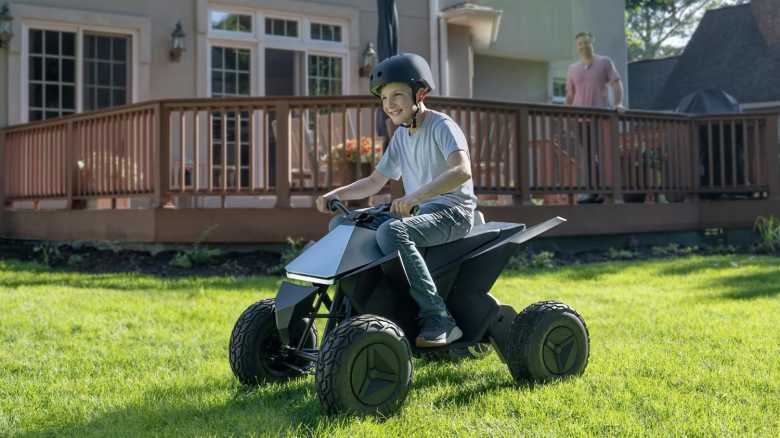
(364, 367)
(256, 353)
(549, 340)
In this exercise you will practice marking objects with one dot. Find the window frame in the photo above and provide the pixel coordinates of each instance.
(259, 42)
(329, 55)
(231, 44)
(230, 34)
(79, 29)
(554, 98)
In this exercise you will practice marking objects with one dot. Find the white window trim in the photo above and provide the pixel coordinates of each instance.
(79, 22)
(330, 54)
(226, 34)
(261, 17)
(233, 44)
(258, 41)
(326, 21)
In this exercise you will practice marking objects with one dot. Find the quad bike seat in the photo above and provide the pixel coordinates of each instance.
(441, 255)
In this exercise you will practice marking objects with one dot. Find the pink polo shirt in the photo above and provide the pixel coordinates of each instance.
(589, 82)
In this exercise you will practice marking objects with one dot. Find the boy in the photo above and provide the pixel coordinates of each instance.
(431, 154)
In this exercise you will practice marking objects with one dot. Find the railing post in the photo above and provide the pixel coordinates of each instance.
(70, 164)
(4, 167)
(771, 147)
(283, 154)
(614, 145)
(523, 176)
(693, 169)
(163, 153)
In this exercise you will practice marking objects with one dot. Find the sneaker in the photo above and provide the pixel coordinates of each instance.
(438, 331)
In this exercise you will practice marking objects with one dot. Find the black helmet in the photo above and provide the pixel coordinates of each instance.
(407, 68)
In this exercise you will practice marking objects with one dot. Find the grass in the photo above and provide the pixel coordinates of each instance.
(680, 347)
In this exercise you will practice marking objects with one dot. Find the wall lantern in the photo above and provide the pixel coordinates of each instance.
(6, 32)
(177, 43)
(370, 59)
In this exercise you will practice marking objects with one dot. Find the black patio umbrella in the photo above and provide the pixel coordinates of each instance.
(386, 43)
(708, 102)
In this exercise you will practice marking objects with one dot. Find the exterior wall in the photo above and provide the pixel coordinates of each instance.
(521, 81)
(153, 21)
(459, 62)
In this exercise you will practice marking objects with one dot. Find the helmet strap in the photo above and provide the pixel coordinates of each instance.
(416, 107)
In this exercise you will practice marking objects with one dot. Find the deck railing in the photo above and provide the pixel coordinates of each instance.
(307, 145)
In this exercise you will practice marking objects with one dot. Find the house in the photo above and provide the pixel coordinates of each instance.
(80, 55)
(735, 49)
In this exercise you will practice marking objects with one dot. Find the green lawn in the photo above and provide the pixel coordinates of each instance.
(679, 347)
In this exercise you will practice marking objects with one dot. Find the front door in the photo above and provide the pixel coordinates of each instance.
(283, 77)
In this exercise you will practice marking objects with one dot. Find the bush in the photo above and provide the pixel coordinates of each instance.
(544, 259)
(49, 253)
(672, 250)
(622, 254)
(198, 254)
(291, 251)
(769, 230)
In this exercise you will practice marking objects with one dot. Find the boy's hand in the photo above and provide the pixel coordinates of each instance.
(322, 203)
(403, 206)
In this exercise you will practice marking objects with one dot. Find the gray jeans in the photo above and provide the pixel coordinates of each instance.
(434, 225)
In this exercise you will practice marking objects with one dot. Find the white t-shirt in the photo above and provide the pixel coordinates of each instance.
(421, 157)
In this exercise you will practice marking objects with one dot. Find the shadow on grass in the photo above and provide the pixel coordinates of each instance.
(274, 410)
(750, 286)
(187, 412)
(25, 274)
(583, 272)
(467, 385)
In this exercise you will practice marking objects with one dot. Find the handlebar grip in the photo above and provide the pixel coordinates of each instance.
(333, 204)
(415, 210)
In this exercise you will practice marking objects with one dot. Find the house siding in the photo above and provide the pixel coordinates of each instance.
(520, 81)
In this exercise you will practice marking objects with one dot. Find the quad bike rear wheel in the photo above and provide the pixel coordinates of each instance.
(549, 340)
(364, 367)
(256, 353)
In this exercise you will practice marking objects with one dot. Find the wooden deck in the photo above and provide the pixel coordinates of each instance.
(114, 174)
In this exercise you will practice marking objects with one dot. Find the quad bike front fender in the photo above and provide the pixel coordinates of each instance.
(292, 303)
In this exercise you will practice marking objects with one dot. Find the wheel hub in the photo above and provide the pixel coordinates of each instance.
(560, 350)
(375, 374)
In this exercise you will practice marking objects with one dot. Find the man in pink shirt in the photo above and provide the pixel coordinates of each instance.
(587, 80)
(586, 86)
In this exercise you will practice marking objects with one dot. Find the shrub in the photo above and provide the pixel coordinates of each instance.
(769, 230)
(198, 254)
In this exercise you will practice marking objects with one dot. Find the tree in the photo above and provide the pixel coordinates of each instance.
(652, 24)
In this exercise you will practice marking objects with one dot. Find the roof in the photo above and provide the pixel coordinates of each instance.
(727, 52)
(646, 78)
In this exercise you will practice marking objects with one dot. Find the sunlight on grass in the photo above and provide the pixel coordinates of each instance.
(679, 347)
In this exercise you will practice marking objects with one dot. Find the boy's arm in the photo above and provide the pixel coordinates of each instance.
(360, 189)
(459, 172)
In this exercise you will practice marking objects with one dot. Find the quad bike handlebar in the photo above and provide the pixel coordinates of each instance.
(336, 204)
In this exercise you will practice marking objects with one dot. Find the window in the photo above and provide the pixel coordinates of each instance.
(324, 75)
(230, 72)
(230, 22)
(280, 27)
(230, 76)
(559, 90)
(106, 71)
(52, 74)
(326, 32)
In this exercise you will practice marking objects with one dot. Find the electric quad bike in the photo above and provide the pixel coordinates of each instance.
(364, 365)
